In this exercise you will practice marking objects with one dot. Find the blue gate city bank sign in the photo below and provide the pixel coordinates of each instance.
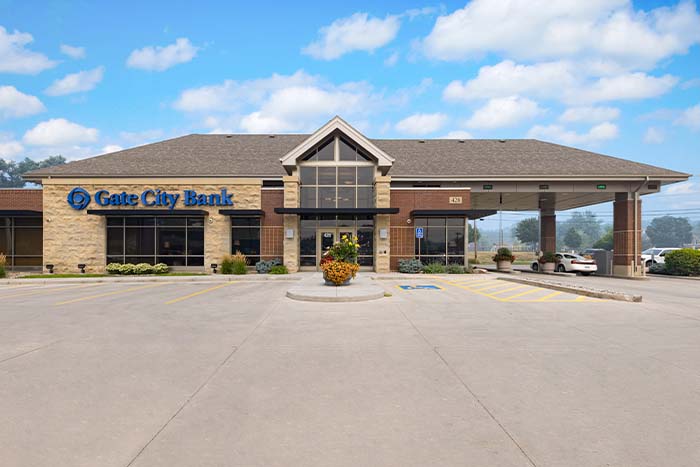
(79, 198)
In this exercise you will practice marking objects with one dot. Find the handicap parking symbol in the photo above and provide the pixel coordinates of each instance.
(420, 287)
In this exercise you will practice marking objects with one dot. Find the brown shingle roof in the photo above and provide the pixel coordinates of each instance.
(20, 199)
(258, 155)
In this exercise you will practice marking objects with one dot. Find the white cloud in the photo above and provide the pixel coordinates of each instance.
(563, 80)
(654, 135)
(685, 188)
(356, 32)
(76, 82)
(161, 58)
(271, 105)
(231, 95)
(72, 51)
(421, 124)
(9, 148)
(589, 114)
(281, 112)
(508, 78)
(458, 134)
(15, 104)
(691, 83)
(59, 132)
(504, 112)
(15, 58)
(631, 86)
(599, 133)
(392, 59)
(111, 148)
(610, 30)
(690, 118)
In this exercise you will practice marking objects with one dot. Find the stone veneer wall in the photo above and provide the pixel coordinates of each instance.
(291, 222)
(382, 199)
(72, 237)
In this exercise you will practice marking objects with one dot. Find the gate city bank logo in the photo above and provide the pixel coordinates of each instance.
(78, 198)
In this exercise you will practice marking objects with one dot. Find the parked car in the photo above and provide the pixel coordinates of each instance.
(570, 262)
(655, 255)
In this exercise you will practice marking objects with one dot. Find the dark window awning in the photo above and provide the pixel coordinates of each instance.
(147, 212)
(469, 213)
(242, 212)
(336, 211)
(19, 213)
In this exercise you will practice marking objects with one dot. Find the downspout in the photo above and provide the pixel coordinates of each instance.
(636, 223)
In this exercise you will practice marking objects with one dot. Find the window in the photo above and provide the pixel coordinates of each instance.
(245, 237)
(443, 240)
(362, 226)
(21, 241)
(349, 184)
(175, 241)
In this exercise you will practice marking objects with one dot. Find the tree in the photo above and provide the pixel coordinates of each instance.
(573, 239)
(471, 234)
(528, 231)
(606, 241)
(670, 231)
(586, 223)
(11, 172)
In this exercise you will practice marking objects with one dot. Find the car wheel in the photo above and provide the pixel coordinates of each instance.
(535, 267)
(649, 263)
(561, 268)
(585, 273)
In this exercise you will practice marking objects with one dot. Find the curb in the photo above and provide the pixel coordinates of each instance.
(302, 297)
(137, 280)
(604, 294)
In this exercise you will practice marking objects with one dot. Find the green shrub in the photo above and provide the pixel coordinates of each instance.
(434, 268)
(547, 257)
(143, 268)
(127, 269)
(3, 262)
(455, 269)
(263, 267)
(227, 264)
(504, 254)
(279, 269)
(658, 268)
(684, 262)
(410, 266)
(114, 268)
(160, 268)
(240, 263)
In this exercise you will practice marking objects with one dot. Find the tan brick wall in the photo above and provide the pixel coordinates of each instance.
(12, 199)
(72, 237)
(623, 235)
(402, 235)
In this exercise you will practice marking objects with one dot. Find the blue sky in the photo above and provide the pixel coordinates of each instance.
(612, 76)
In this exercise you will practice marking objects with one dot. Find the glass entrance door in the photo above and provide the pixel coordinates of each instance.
(326, 237)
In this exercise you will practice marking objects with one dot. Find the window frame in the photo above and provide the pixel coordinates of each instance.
(439, 223)
(258, 226)
(156, 256)
(12, 229)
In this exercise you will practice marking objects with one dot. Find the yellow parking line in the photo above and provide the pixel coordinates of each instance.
(507, 290)
(547, 297)
(492, 286)
(50, 289)
(527, 292)
(179, 299)
(116, 292)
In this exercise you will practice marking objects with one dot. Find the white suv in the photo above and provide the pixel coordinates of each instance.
(655, 256)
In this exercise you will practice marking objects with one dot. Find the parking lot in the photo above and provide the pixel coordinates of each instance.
(448, 371)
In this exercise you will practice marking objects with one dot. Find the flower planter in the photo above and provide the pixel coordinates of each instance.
(330, 282)
(504, 266)
(548, 267)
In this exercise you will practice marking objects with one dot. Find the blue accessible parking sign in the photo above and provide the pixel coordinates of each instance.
(419, 232)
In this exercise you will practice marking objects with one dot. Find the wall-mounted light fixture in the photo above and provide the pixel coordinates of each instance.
(82, 268)
(50, 268)
(213, 267)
